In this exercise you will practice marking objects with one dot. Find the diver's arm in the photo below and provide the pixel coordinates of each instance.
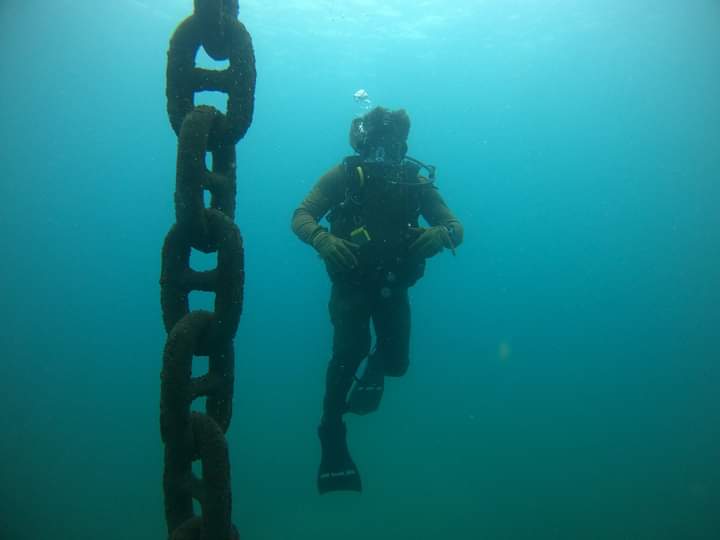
(326, 193)
(436, 212)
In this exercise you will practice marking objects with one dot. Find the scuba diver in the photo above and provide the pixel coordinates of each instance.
(374, 251)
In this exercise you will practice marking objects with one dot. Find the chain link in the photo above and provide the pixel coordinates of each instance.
(224, 38)
(188, 435)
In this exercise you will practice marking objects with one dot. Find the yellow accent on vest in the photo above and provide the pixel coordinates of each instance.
(361, 175)
(360, 236)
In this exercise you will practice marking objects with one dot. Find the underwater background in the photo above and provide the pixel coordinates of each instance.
(564, 366)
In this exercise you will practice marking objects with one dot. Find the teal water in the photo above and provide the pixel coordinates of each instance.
(564, 372)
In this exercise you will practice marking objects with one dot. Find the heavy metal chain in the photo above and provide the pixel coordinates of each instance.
(189, 435)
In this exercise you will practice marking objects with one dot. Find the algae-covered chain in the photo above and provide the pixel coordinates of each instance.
(187, 435)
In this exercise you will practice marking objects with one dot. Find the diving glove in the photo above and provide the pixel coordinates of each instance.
(337, 252)
(432, 241)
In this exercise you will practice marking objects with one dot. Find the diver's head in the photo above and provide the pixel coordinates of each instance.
(380, 136)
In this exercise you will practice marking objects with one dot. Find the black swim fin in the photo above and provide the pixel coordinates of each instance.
(337, 470)
(368, 390)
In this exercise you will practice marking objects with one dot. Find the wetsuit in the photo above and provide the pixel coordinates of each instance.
(377, 290)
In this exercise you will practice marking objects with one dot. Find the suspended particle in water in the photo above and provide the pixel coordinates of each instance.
(504, 351)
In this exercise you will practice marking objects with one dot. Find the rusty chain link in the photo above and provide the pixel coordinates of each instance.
(189, 435)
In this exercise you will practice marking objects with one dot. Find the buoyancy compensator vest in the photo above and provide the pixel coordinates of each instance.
(380, 213)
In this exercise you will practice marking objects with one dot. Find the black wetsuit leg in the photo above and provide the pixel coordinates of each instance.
(350, 310)
(391, 320)
(350, 316)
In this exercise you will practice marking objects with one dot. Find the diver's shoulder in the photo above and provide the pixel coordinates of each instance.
(333, 181)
